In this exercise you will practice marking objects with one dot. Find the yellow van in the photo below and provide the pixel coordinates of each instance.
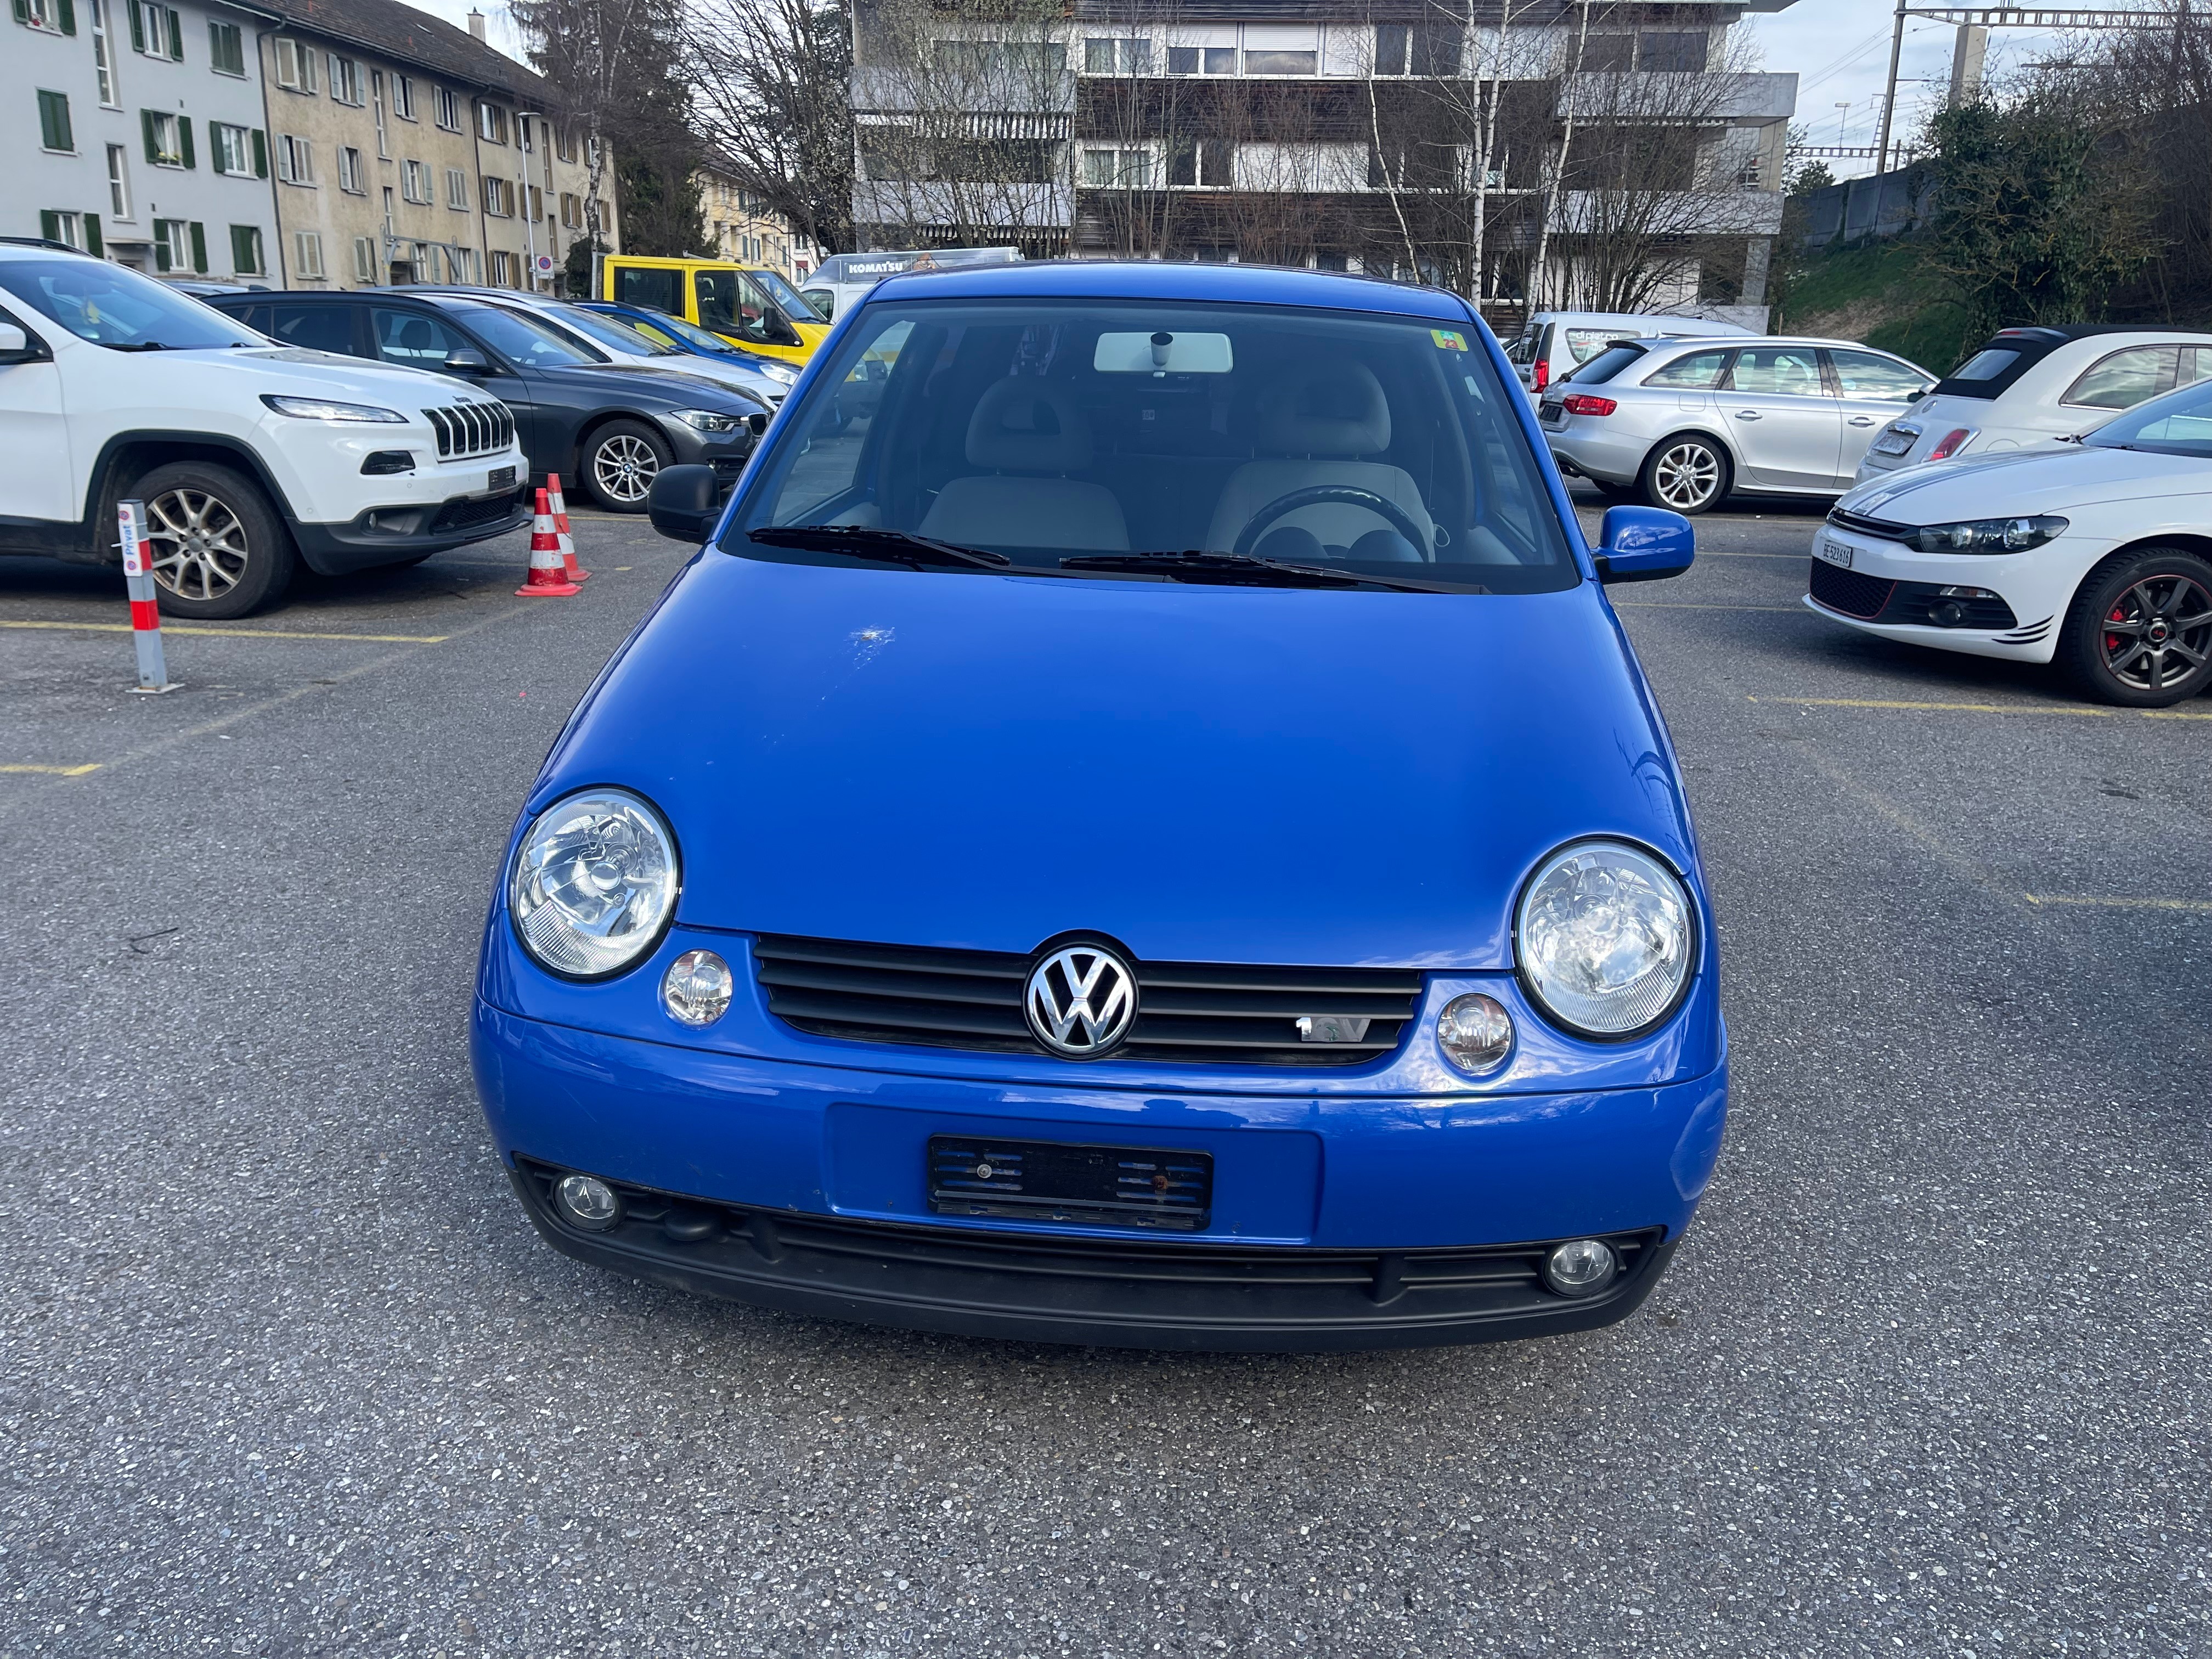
(750, 306)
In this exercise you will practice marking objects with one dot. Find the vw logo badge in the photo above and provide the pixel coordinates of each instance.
(1081, 1000)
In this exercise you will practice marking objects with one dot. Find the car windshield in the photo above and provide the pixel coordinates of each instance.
(112, 307)
(2180, 423)
(786, 296)
(1371, 446)
(614, 333)
(525, 340)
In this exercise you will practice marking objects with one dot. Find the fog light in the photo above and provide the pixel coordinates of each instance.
(587, 1202)
(1581, 1266)
(1949, 613)
(697, 987)
(1475, 1033)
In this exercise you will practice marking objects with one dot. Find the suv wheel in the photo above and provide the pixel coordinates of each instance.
(2139, 632)
(220, 550)
(1686, 474)
(621, 462)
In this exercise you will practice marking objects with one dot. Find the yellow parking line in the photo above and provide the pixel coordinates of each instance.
(239, 633)
(1673, 605)
(56, 771)
(1987, 708)
(2119, 903)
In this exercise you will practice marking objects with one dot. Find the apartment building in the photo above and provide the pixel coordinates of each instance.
(139, 134)
(741, 228)
(1540, 138)
(403, 150)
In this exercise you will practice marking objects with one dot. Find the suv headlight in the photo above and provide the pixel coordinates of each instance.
(1605, 938)
(1987, 535)
(322, 409)
(594, 883)
(709, 420)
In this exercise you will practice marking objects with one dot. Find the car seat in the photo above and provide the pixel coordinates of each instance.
(1029, 434)
(1325, 413)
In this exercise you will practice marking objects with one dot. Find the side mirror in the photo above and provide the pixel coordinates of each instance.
(684, 502)
(15, 346)
(467, 361)
(1644, 544)
(1916, 394)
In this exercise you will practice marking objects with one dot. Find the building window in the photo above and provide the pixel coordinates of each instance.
(364, 259)
(502, 268)
(456, 189)
(57, 226)
(168, 137)
(51, 15)
(388, 209)
(525, 134)
(1278, 62)
(234, 151)
(345, 81)
(179, 246)
(1662, 51)
(498, 198)
(564, 144)
(403, 97)
(103, 56)
(307, 253)
(349, 178)
(572, 211)
(296, 160)
(449, 110)
(1202, 60)
(1608, 54)
(1117, 56)
(1206, 162)
(491, 124)
(54, 130)
(119, 181)
(376, 97)
(157, 31)
(1416, 49)
(536, 210)
(1115, 169)
(246, 251)
(295, 66)
(415, 182)
(226, 48)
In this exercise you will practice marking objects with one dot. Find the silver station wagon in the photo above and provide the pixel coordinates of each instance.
(1681, 423)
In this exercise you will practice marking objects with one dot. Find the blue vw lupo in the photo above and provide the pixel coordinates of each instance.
(1149, 834)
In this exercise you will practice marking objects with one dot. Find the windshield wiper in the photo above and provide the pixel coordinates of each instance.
(866, 542)
(1248, 570)
(142, 345)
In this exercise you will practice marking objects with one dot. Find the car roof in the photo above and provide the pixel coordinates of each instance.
(1729, 342)
(2072, 331)
(1154, 279)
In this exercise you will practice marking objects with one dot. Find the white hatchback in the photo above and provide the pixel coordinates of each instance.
(2089, 554)
(2029, 387)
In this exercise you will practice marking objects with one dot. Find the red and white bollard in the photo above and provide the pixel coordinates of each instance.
(145, 613)
(547, 582)
(575, 572)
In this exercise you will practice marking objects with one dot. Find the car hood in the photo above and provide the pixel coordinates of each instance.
(637, 378)
(1202, 774)
(2021, 481)
(290, 371)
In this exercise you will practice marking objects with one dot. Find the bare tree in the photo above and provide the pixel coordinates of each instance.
(771, 96)
(606, 60)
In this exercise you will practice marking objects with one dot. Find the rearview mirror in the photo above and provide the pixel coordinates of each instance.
(1644, 544)
(684, 502)
(467, 361)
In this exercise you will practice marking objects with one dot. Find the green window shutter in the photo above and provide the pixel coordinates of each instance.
(199, 247)
(176, 36)
(260, 154)
(137, 27)
(65, 15)
(93, 243)
(162, 257)
(49, 224)
(54, 121)
(153, 135)
(185, 138)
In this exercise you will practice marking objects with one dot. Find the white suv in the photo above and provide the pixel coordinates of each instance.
(248, 454)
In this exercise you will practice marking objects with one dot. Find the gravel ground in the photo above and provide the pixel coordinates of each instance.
(284, 1371)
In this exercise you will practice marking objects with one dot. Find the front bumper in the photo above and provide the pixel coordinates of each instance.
(1889, 589)
(386, 535)
(1337, 1222)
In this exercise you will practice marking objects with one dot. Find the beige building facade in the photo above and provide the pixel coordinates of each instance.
(740, 229)
(403, 149)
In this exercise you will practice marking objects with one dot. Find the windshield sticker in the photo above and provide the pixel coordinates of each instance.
(1448, 340)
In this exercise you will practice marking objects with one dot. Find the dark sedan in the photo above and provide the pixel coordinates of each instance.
(610, 426)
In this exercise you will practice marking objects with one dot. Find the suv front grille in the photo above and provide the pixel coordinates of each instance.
(1199, 1013)
(466, 429)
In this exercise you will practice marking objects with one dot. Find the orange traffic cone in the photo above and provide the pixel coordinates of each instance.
(547, 581)
(569, 568)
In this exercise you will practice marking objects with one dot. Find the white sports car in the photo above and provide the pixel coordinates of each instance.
(2096, 555)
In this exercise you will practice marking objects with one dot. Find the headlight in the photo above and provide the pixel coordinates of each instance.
(322, 409)
(1605, 939)
(1987, 535)
(594, 882)
(709, 420)
(780, 374)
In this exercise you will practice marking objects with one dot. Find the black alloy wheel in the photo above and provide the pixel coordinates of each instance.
(2139, 632)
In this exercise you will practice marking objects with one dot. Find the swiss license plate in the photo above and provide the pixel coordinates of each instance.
(1892, 443)
(1834, 551)
(1551, 414)
(1169, 1188)
(502, 478)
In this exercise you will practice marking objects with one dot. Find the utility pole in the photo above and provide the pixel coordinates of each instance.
(1889, 102)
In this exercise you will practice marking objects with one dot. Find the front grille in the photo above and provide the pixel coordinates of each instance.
(1880, 529)
(1200, 1013)
(466, 515)
(1873, 599)
(1116, 1287)
(466, 429)
(1851, 592)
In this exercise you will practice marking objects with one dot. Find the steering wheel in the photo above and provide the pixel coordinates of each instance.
(1347, 494)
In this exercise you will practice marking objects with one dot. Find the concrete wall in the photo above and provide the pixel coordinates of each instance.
(1899, 202)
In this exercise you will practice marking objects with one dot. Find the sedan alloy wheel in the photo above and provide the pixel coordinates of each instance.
(1685, 475)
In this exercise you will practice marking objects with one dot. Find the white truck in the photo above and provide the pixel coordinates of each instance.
(249, 455)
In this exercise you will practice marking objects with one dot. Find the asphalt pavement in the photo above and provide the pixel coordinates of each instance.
(284, 1371)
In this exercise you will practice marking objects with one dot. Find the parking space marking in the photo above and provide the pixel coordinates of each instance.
(54, 771)
(1676, 605)
(2093, 902)
(2082, 709)
(236, 633)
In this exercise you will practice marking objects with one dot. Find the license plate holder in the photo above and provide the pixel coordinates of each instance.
(1158, 1188)
(1893, 444)
(1834, 551)
(501, 478)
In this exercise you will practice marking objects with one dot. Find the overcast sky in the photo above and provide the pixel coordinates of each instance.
(1839, 50)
